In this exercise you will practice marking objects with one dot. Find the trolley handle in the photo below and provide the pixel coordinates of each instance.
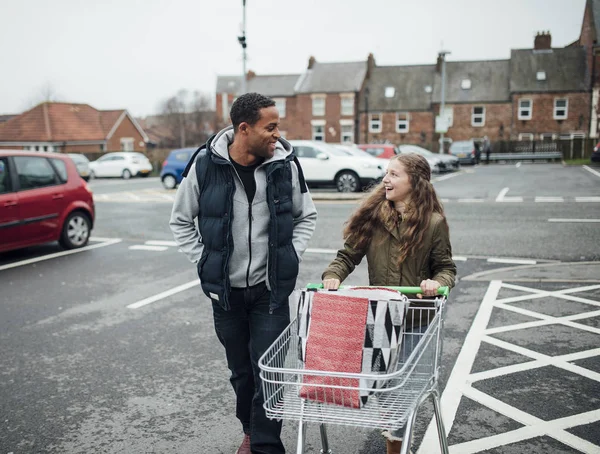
(444, 291)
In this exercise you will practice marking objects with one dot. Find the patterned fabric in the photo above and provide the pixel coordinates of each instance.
(377, 341)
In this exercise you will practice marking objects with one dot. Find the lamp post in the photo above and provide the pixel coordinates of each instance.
(366, 114)
(242, 41)
(443, 54)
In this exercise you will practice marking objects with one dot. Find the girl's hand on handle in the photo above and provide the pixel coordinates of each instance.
(429, 287)
(331, 284)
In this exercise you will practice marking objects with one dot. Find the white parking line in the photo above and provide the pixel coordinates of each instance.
(108, 242)
(573, 220)
(458, 258)
(470, 200)
(141, 247)
(165, 294)
(446, 177)
(587, 199)
(549, 199)
(513, 261)
(502, 197)
(162, 243)
(589, 169)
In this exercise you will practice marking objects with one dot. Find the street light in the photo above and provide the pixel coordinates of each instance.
(366, 114)
(443, 54)
(242, 41)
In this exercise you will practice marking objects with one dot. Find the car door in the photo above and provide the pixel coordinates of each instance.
(9, 207)
(101, 165)
(314, 169)
(41, 199)
(117, 165)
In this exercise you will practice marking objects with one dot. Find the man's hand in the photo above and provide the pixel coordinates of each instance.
(331, 284)
(429, 287)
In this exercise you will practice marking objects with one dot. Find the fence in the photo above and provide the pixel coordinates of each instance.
(576, 148)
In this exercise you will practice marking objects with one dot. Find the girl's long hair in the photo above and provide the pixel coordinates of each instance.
(375, 211)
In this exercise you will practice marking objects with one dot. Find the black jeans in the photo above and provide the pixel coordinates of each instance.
(246, 331)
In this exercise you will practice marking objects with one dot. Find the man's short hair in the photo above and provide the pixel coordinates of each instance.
(247, 109)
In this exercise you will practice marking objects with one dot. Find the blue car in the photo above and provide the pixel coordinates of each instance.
(174, 165)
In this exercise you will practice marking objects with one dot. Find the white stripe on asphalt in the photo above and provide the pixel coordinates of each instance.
(108, 242)
(165, 294)
(549, 199)
(573, 220)
(513, 261)
(517, 165)
(162, 243)
(458, 258)
(471, 200)
(132, 195)
(502, 197)
(587, 199)
(462, 368)
(589, 169)
(141, 247)
(321, 251)
(446, 177)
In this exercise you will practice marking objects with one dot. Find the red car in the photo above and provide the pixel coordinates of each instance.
(385, 151)
(42, 199)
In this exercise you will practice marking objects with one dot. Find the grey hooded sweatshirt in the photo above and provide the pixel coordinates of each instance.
(248, 262)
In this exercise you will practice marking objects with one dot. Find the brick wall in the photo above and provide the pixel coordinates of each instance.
(496, 126)
(126, 129)
(543, 121)
(587, 38)
(420, 129)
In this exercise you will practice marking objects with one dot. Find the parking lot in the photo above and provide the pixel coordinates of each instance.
(111, 348)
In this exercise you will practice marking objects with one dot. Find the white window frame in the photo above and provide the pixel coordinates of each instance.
(547, 135)
(348, 135)
(127, 144)
(566, 109)
(347, 104)
(280, 104)
(283, 134)
(529, 109)
(317, 109)
(475, 115)
(375, 124)
(316, 135)
(526, 136)
(225, 106)
(405, 122)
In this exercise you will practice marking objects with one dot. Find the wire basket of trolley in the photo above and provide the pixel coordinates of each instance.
(358, 356)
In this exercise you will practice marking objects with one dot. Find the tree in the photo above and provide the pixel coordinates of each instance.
(188, 118)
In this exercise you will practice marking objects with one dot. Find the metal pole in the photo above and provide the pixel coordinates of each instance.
(443, 101)
(243, 43)
(366, 114)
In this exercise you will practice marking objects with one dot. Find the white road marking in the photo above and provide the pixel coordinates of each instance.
(517, 165)
(132, 196)
(459, 258)
(549, 199)
(589, 169)
(321, 251)
(513, 261)
(587, 199)
(446, 177)
(502, 197)
(108, 242)
(573, 220)
(470, 200)
(141, 247)
(162, 243)
(462, 368)
(163, 295)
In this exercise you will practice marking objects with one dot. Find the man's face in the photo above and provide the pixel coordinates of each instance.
(263, 135)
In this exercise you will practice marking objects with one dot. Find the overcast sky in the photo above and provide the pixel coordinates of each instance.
(134, 53)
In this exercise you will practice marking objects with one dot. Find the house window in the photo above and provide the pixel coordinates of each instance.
(402, 122)
(347, 106)
(347, 133)
(465, 84)
(561, 109)
(525, 136)
(280, 104)
(478, 116)
(525, 109)
(126, 143)
(374, 122)
(547, 137)
(318, 106)
(318, 132)
(541, 75)
(390, 92)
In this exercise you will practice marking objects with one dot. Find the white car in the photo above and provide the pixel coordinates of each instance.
(124, 164)
(325, 165)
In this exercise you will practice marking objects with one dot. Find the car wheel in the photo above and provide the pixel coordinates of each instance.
(169, 182)
(347, 181)
(126, 175)
(76, 230)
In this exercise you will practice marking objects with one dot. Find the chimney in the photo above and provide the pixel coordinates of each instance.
(311, 62)
(370, 63)
(543, 41)
(250, 75)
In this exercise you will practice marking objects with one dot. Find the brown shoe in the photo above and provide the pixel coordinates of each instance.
(394, 447)
(245, 446)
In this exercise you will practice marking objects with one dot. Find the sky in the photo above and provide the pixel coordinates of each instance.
(134, 54)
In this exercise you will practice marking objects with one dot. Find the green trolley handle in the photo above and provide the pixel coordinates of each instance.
(444, 291)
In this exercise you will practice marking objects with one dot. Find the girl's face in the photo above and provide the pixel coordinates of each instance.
(397, 183)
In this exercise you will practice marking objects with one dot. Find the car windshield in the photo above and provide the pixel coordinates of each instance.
(331, 149)
(139, 156)
(78, 158)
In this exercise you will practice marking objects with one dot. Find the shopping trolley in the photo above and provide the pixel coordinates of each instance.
(394, 401)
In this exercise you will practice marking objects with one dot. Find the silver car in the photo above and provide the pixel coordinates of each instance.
(438, 162)
(82, 163)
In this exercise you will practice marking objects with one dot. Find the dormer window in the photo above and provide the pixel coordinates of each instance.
(390, 92)
(465, 84)
(428, 88)
(541, 75)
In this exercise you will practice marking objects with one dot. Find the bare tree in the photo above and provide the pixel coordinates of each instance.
(188, 117)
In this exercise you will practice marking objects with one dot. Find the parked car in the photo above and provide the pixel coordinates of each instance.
(465, 151)
(385, 151)
(43, 199)
(124, 164)
(596, 153)
(82, 163)
(325, 165)
(437, 162)
(174, 165)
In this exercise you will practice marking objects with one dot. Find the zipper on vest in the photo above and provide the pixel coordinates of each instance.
(250, 219)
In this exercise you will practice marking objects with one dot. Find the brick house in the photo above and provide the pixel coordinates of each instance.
(67, 127)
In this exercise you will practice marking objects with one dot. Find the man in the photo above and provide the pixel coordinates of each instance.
(255, 218)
